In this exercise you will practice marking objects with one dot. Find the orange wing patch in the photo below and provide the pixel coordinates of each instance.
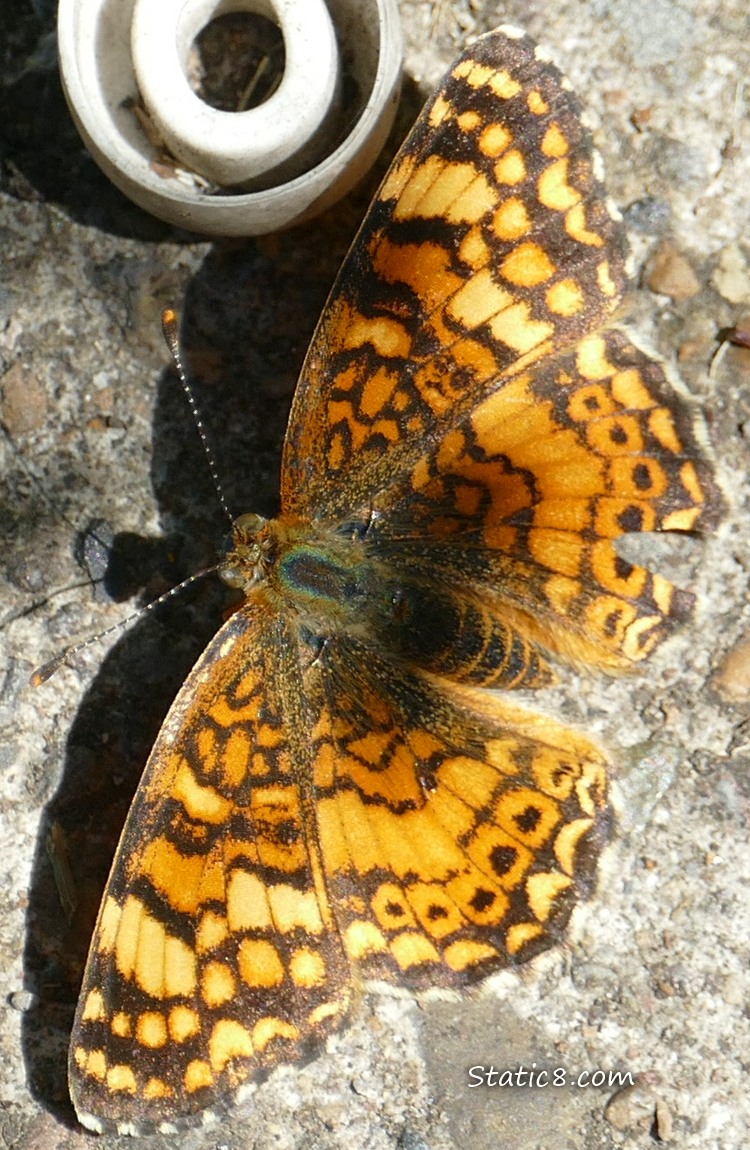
(335, 793)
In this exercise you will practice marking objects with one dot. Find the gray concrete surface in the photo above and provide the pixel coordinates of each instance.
(654, 979)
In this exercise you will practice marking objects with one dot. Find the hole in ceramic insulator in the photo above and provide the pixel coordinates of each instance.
(237, 61)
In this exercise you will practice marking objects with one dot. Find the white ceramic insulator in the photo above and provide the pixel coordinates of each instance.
(117, 53)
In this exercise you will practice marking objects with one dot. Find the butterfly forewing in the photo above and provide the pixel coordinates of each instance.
(488, 246)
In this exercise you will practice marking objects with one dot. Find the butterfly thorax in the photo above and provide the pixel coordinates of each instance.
(320, 573)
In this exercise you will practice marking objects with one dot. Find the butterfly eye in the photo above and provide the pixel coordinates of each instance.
(232, 575)
(246, 528)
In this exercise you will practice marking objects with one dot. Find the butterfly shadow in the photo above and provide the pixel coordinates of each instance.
(238, 315)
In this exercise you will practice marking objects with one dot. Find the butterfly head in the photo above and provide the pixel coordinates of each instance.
(248, 553)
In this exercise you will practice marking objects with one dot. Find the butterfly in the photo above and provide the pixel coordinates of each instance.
(343, 789)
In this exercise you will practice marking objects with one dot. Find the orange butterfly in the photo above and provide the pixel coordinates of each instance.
(335, 794)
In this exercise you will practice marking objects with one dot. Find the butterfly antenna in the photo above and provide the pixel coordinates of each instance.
(171, 335)
(47, 670)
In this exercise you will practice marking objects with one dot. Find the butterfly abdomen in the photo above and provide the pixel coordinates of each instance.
(452, 634)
